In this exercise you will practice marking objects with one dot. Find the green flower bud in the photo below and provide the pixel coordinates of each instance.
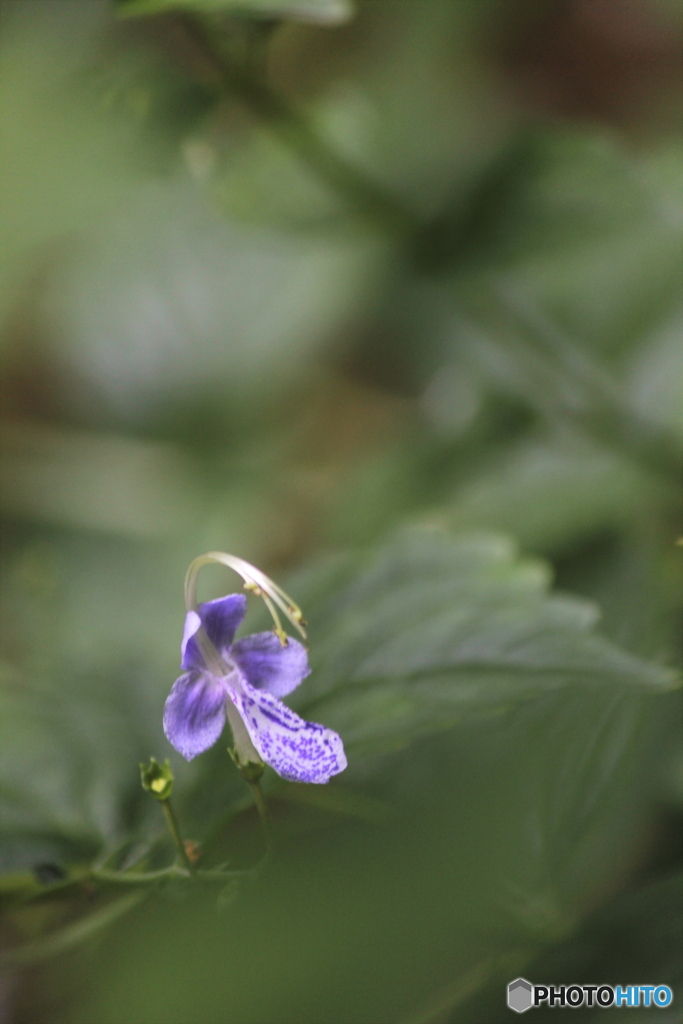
(157, 778)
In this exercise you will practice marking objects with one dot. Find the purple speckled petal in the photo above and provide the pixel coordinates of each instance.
(269, 666)
(194, 714)
(299, 751)
(221, 619)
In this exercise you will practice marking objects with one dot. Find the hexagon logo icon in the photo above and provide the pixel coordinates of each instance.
(520, 995)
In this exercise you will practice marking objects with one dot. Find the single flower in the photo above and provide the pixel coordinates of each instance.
(241, 680)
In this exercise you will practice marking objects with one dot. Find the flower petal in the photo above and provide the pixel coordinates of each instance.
(269, 666)
(221, 619)
(194, 714)
(299, 751)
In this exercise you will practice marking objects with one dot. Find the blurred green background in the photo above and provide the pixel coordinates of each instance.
(383, 296)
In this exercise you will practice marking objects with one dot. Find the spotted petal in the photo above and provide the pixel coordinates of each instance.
(221, 619)
(269, 666)
(194, 714)
(299, 751)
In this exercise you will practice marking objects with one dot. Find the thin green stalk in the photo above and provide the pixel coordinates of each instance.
(174, 829)
(372, 200)
(218, 875)
(264, 815)
(210, 875)
(138, 877)
(239, 807)
(71, 935)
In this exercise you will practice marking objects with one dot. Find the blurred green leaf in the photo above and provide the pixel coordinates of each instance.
(637, 938)
(64, 162)
(264, 182)
(109, 483)
(68, 775)
(574, 217)
(324, 12)
(410, 908)
(537, 755)
(433, 629)
(229, 316)
(547, 492)
(656, 374)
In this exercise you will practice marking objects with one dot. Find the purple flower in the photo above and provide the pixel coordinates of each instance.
(242, 680)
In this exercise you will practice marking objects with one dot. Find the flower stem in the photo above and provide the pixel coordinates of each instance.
(173, 828)
(264, 815)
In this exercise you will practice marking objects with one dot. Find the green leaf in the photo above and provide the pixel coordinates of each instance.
(582, 223)
(432, 630)
(635, 939)
(547, 492)
(323, 12)
(68, 780)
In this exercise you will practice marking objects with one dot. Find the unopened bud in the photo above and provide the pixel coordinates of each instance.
(157, 778)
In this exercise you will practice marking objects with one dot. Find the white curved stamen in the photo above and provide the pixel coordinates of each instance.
(255, 581)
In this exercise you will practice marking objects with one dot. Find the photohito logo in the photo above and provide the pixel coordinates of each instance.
(523, 996)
